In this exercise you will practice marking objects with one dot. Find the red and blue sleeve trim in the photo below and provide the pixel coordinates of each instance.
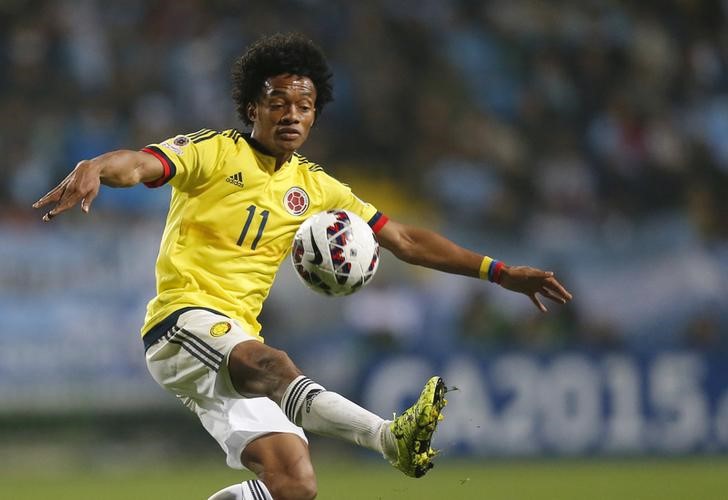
(169, 167)
(377, 222)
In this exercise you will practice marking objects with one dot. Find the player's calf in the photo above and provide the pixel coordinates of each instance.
(327, 413)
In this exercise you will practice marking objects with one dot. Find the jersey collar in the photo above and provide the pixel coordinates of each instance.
(267, 159)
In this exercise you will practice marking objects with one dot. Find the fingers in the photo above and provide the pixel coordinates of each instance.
(87, 200)
(553, 285)
(57, 197)
(550, 294)
(55, 194)
(68, 199)
(552, 290)
(537, 303)
(531, 281)
(52, 196)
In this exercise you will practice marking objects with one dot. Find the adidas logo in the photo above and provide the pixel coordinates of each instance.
(236, 179)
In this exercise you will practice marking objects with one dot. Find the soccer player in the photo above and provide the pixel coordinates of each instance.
(237, 200)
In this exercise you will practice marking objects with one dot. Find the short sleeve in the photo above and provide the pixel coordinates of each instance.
(339, 195)
(187, 160)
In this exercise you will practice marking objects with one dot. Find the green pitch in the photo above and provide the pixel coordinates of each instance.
(685, 479)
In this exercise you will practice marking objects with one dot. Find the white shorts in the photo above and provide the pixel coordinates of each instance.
(190, 360)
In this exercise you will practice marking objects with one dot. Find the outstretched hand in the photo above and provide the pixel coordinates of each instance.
(81, 185)
(533, 282)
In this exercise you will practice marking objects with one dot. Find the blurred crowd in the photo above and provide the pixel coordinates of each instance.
(588, 134)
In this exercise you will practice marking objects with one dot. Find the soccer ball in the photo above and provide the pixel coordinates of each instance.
(335, 252)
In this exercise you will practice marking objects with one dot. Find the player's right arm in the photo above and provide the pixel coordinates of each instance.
(123, 168)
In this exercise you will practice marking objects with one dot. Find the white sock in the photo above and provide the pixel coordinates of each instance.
(297, 393)
(329, 414)
(248, 490)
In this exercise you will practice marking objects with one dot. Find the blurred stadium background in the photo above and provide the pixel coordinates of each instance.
(588, 137)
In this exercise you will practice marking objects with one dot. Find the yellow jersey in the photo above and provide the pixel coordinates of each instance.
(231, 222)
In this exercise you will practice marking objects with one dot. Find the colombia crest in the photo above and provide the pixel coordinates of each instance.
(220, 329)
(295, 201)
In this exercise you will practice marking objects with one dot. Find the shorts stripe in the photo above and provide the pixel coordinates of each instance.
(204, 346)
(193, 353)
(196, 347)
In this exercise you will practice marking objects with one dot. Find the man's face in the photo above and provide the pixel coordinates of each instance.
(284, 113)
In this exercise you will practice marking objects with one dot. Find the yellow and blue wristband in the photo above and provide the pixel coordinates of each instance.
(490, 269)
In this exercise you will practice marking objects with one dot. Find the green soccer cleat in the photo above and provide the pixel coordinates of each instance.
(413, 430)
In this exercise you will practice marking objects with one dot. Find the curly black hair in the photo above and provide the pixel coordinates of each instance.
(279, 54)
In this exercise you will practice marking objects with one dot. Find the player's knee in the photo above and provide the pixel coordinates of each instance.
(278, 361)
(259, 358)
(299, 486)
(259, 369)
(277, 364)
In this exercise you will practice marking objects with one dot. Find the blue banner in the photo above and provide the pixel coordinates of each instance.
(517, 404)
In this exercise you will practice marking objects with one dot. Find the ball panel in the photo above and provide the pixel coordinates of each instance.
(335, 252)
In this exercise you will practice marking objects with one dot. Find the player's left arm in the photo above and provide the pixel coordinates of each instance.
(423, 247)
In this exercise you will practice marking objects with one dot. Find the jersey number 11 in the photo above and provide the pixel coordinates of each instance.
(264, 218)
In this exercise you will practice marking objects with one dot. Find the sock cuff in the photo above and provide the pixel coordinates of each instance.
(295, 396)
